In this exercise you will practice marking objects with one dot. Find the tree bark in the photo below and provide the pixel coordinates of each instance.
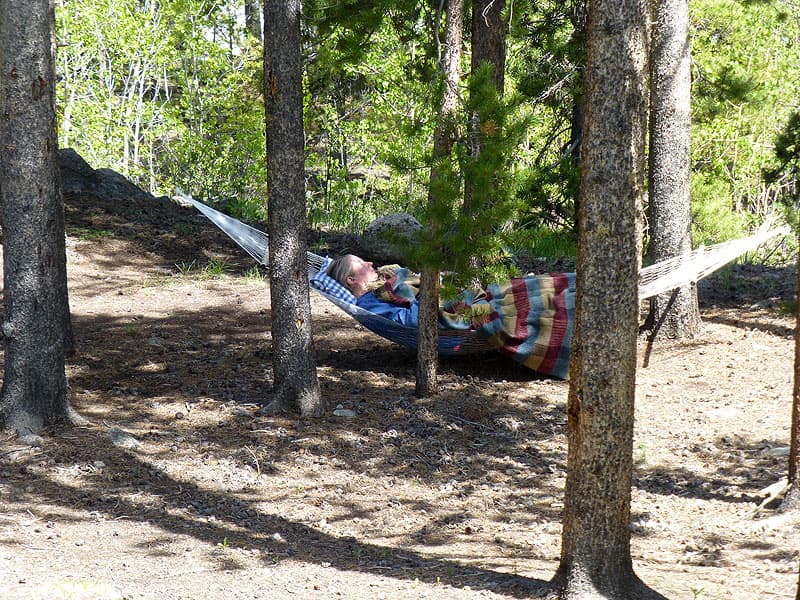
(792, 500)
(428, 336)
(443, 139)
(252, 18)
(675, 314)
(36, 324)
(488, 47)
(489, 38)
(595, 551)
(296, 384)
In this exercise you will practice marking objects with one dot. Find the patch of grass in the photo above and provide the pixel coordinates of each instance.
(640, 454)
(213, 269)
(256, 274)
(187, 269)
(156, 281)
(216, 267)
(87, 234)
(789, 307)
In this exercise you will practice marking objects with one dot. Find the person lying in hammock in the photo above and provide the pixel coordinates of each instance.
(363, 280)
(528, 318)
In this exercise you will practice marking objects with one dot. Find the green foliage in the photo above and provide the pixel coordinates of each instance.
(786, 174)
(256, 274)
(549, 194)
(713, 219)
(743, 53)
(169, 93)
(213, 269)
(89, 234)
(542, 243)
(466, 231)
(546, 58)
(368, 122)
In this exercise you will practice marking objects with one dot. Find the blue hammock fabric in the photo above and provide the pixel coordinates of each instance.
(452, 342)
(530, 319)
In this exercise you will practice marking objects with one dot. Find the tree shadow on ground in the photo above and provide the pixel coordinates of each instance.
(748, 284)
(152, 376)
(765, 323)
(744, 468)
(182, 508)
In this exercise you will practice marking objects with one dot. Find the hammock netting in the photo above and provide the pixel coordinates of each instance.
(653, 280)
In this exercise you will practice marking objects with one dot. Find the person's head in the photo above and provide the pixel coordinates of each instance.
(354, 273)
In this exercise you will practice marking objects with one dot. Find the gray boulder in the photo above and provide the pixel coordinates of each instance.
(76, 174)
(380, 239)
(115, 186)
(78, 177)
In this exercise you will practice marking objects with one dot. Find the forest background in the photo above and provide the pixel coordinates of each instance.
(170, 94)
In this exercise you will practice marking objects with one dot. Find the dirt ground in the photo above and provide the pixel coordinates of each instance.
(179, 489)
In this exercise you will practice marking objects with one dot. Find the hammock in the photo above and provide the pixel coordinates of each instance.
(256, 244)
(693, 266)
(653, 280)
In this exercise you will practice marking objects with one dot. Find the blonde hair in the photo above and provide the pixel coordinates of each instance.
(339, 269)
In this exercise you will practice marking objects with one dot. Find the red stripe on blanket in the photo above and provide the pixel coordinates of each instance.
(522, 305)
(560, 323)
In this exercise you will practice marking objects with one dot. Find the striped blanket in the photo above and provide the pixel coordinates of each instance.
(528, 318)
(532, 319)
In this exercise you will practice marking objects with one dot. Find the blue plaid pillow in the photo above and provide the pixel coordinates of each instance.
(329, 285)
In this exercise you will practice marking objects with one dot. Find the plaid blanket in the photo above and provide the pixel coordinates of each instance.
(532, 320)
(397, 285)
(528, 318)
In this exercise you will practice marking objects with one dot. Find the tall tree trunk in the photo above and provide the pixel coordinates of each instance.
(578, 18)
(488, 47)
(674, 314)
(443, 139)
(252, 18)
(792, 499)
(296, 384)
(428, 335)
(595, 551)
(489, 38)
(36, 324)
(578, 15)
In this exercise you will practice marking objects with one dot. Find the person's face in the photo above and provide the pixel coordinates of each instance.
(361, 275)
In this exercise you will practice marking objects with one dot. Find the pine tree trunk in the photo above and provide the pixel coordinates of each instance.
(675, 314)
(793, 497)
(36, 326)
(443, 139)
(578, 14)
(296, 385)
(488, 46)
(578, 17)
(252, 18)
(489, 38)
(428, 335)
(595, 553)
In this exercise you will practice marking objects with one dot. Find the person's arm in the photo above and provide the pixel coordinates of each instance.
(399, 314)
